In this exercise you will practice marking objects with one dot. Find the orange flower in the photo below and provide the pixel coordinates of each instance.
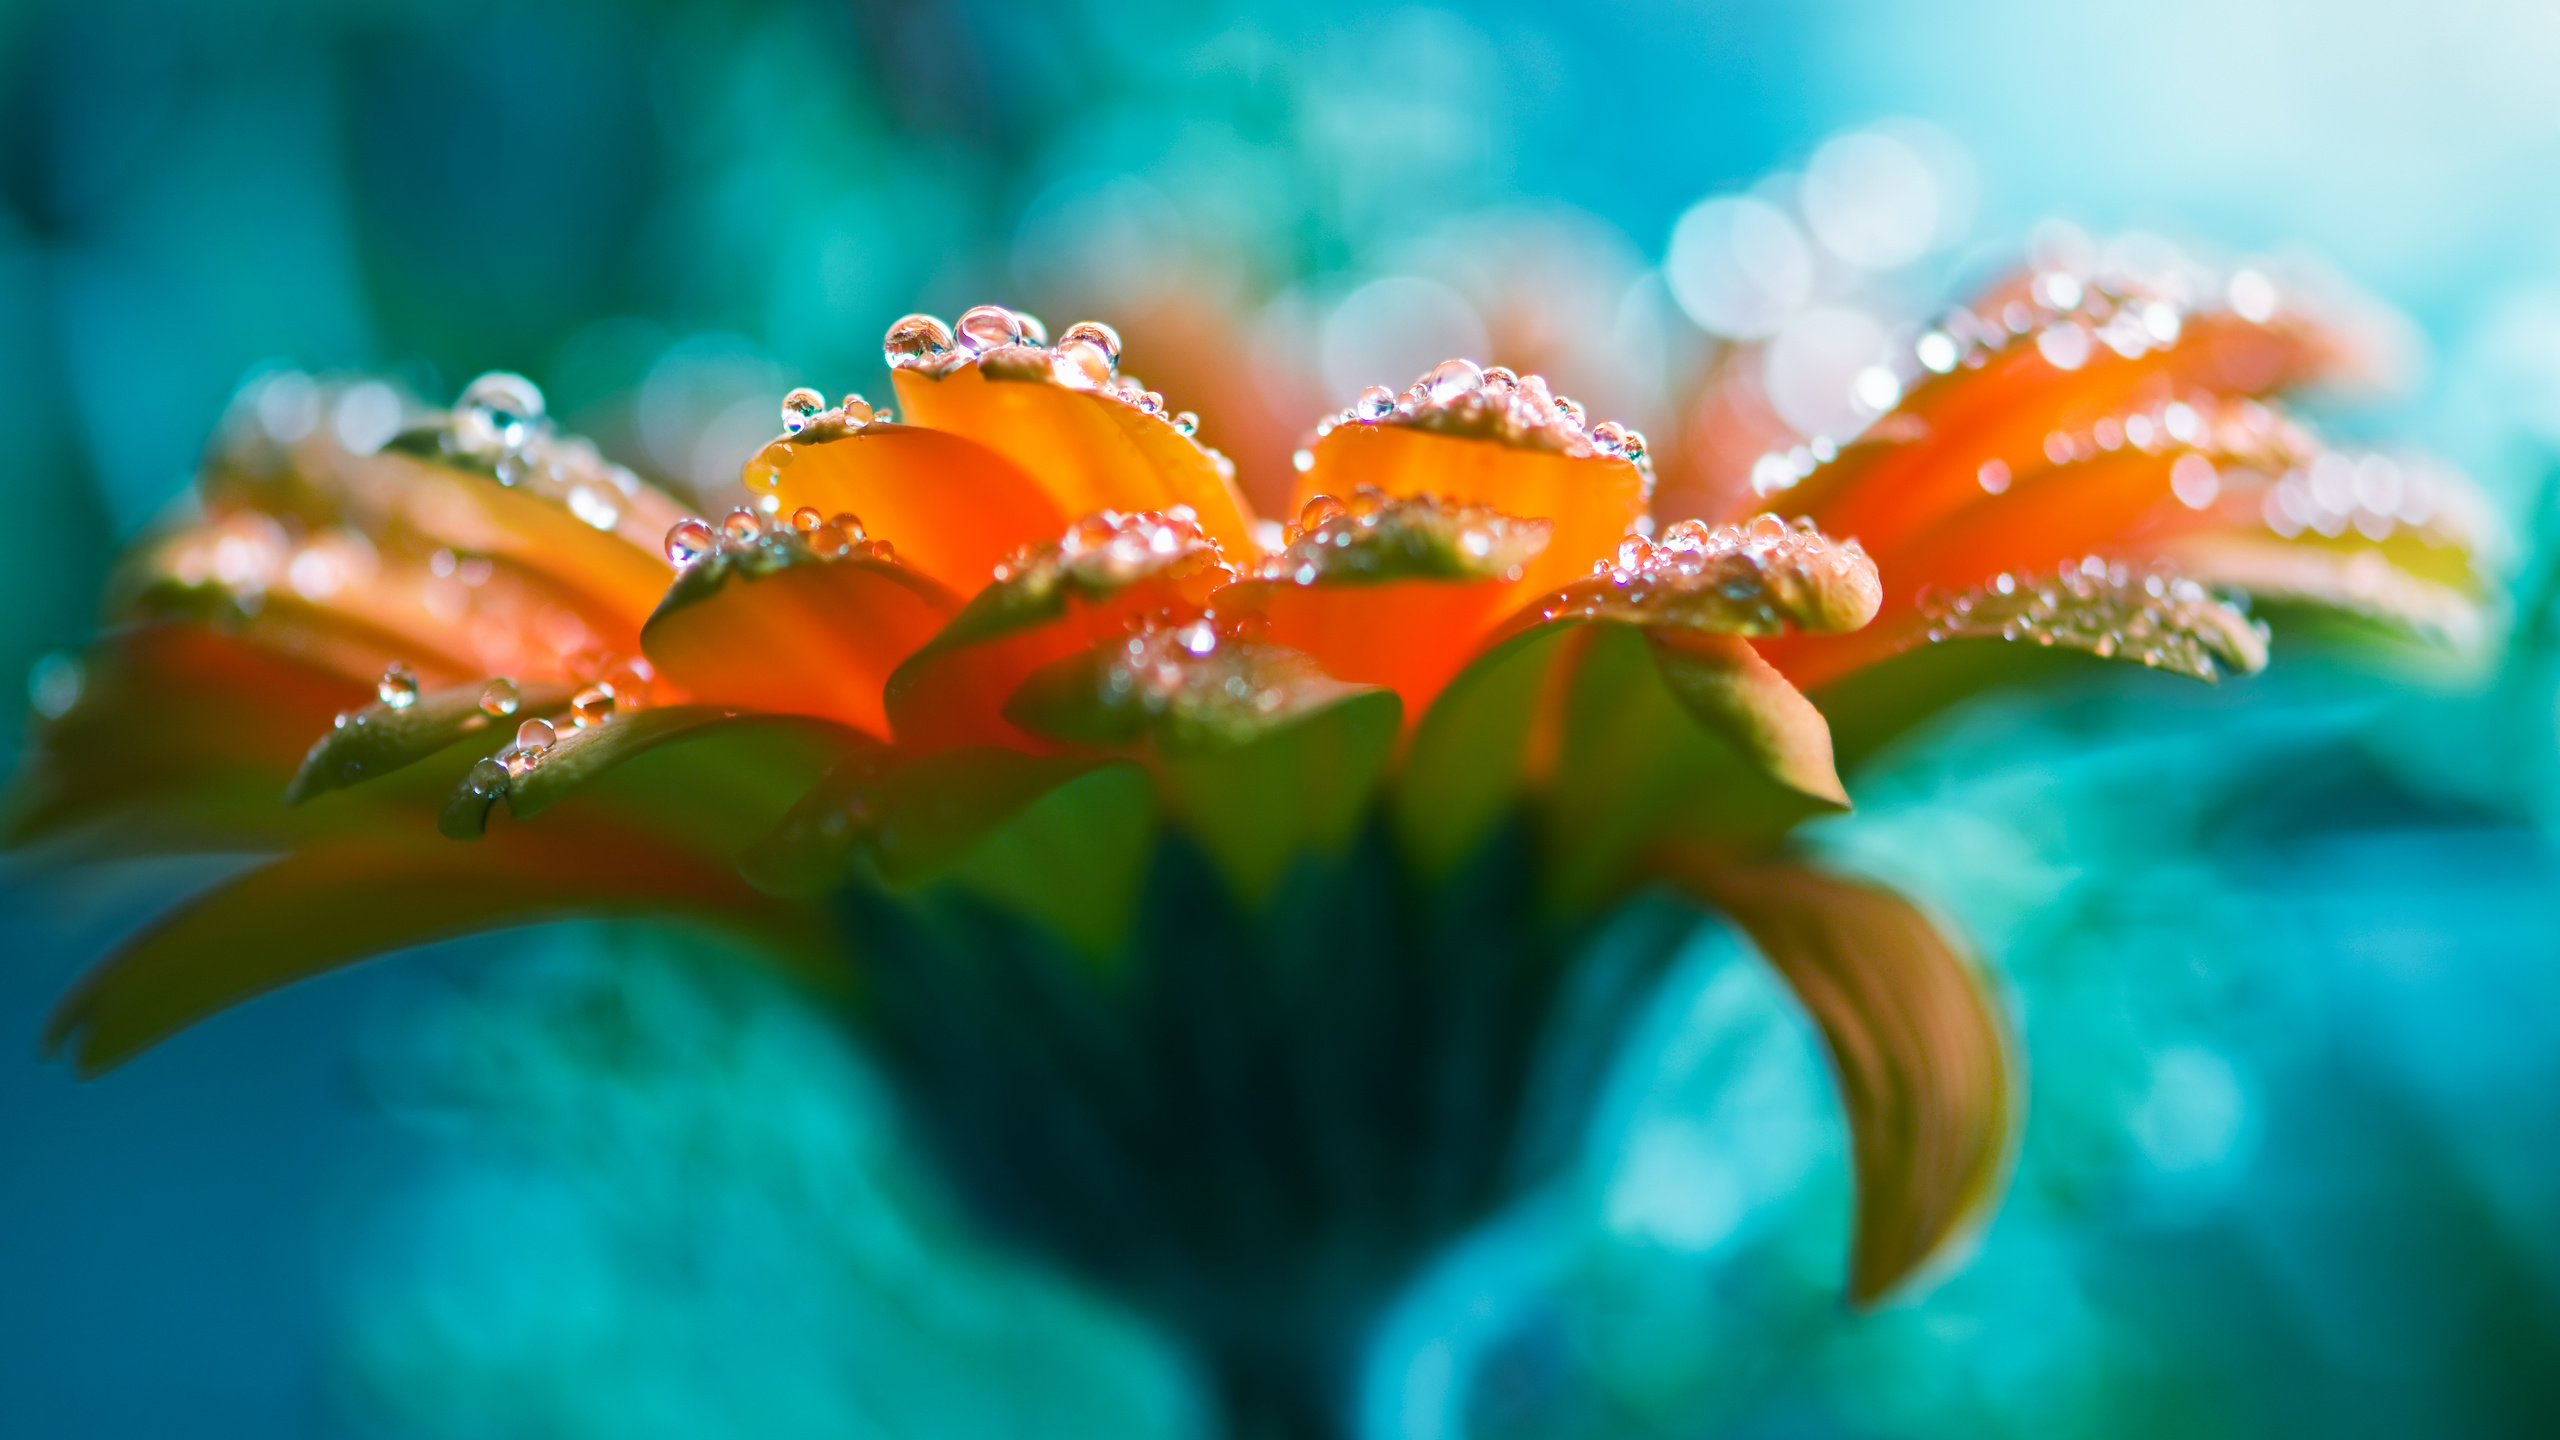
(1010, 649)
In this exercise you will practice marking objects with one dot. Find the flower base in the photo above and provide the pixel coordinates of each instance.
(1255, 1124)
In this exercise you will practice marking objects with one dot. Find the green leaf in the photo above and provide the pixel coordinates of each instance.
(372, 742)
(1923, 1061)
(1154, 689)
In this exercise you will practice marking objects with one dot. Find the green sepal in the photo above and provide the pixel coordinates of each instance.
(1300, 787)
(1463, 772)
(1635, 768)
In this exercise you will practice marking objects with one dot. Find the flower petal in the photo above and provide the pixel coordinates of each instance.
(781, 628)
(758, 762)
(1590, 501)
(1924, 1065)
(369, 743)
(1635, 766)
(320, 909)
(953, 507)
(1725, 686)
(1091, 451)
(1880, 683)
(181, 739)
(1105, 578)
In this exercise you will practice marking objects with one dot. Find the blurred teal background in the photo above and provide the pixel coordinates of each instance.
(2283, 953)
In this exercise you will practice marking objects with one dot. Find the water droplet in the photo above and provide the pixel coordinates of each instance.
(990, 327)
(590, 504)
(742, 526)
(1186, 423)
(535, 736)
(499, 698)
(489, 779)
(848, 523)
(689, 541)
(1102, 338)
(916, 342)
(804, 520)
(1318, 510)
(497, 412)
(1375, 403)
(800, 407)
(594, 706)
(398, 687)
(857, 411)
(1449, 379)
(1766, 527)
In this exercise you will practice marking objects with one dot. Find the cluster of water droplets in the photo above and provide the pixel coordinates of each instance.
(1754, 578)
(2373, 494)
(2108, 609)
(501, 422)
(762, 543)
(1459, 397)
(1010, 345)
(1108, 550)
(1373, 535)
(1200, 673)
(2069, 318)
(626, 686)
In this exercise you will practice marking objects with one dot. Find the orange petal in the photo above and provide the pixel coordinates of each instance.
(1930, 457)
(615, 574)
(1054, 602)
(780, 628)
(1411, 636)
(951, 506)
(1090, 450)
(1392, 592)
(1590, 501)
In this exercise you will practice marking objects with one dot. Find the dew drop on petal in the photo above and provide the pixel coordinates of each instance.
(398, 687)
(498, 411)
(1450, 379)
(1187, 423)
(857, 411)
(805, 519)
(499, 698)
(990, 327)
(1319, 509)
(800, 407)
(688, 541)
(1375, 403)
(916, 341)
(489, 779)
(593, 706)
(742, 526)
(535, 736)
(1104, 341)
(848, 523)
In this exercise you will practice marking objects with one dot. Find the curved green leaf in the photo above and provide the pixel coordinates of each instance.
(772, 756)
(1924, 1064)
